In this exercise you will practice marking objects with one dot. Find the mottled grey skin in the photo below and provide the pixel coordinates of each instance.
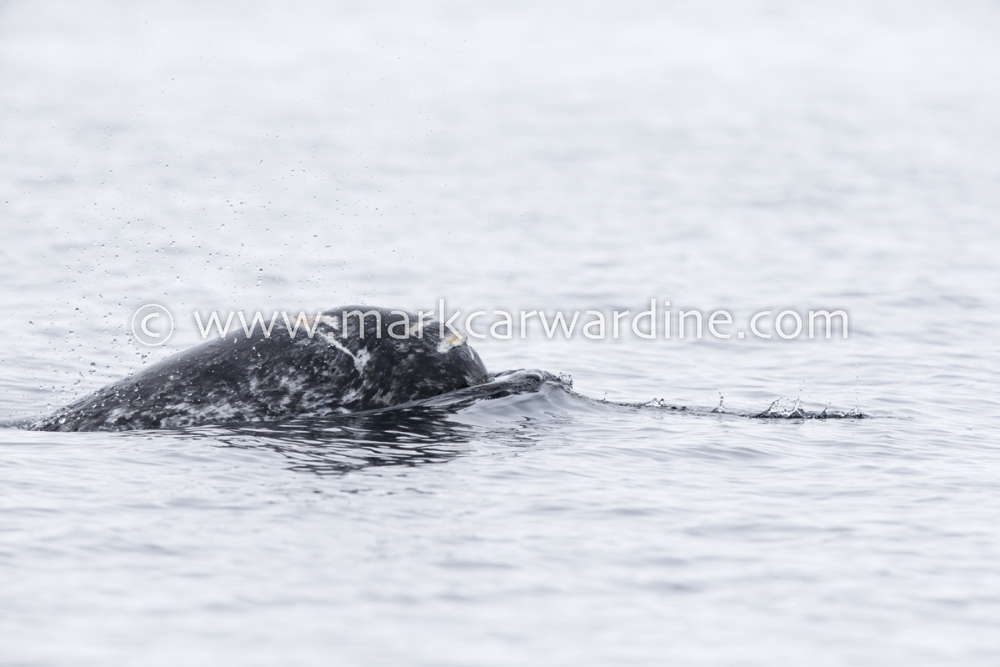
(237, 380)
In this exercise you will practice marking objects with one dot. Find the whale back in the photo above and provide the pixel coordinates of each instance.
(372, 358)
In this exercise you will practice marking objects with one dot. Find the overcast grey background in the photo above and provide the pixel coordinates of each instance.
(519, 155)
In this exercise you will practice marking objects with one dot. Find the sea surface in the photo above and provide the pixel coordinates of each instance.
(656, 502)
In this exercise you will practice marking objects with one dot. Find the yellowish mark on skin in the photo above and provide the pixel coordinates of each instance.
(452, 340)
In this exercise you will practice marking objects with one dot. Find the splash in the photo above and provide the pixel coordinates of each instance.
(778, 409)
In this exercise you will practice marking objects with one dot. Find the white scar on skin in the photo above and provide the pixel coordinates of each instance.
(360, 359)
(332, 340)
(330, 322)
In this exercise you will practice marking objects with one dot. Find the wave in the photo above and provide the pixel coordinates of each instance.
(516, 382)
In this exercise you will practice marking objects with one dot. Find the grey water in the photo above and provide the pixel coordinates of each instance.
(529, 156)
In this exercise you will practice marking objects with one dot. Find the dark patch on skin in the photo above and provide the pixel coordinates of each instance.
(240, 380)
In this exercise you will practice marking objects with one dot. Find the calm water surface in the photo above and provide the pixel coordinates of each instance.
(303, 156)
